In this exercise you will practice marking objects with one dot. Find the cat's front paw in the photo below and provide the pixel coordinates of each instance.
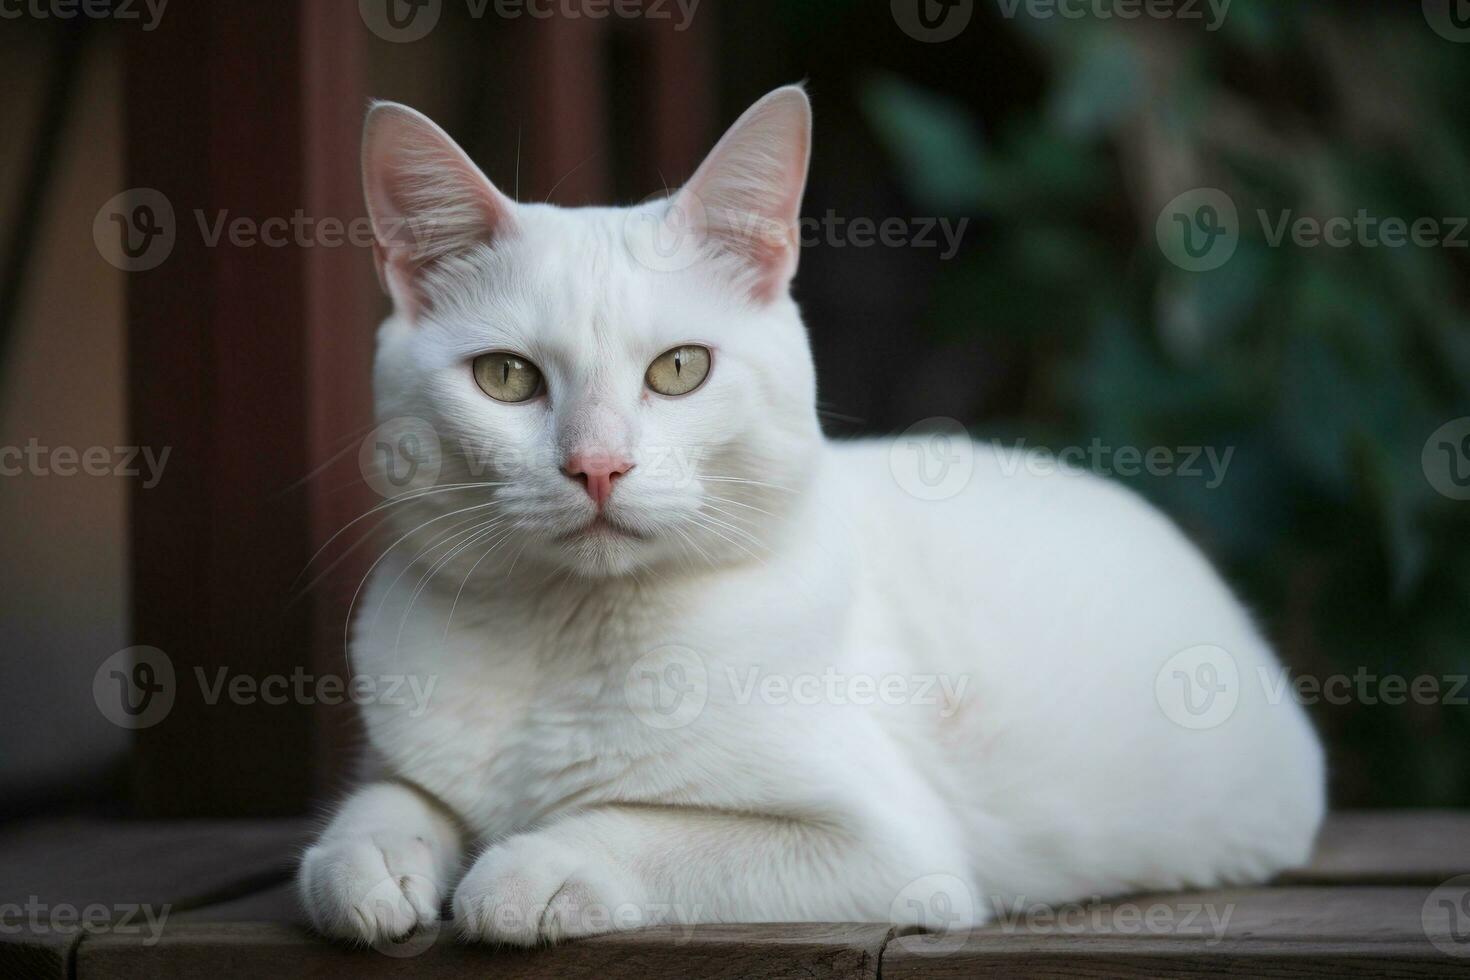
(532, 889)
(374, 888)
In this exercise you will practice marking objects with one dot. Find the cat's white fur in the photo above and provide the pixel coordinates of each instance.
(556, 785)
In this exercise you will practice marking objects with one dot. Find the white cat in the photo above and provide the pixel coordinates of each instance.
(694, 661)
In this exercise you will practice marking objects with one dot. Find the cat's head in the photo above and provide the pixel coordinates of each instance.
(608, 389)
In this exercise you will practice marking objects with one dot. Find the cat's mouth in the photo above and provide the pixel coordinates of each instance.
(602, 527)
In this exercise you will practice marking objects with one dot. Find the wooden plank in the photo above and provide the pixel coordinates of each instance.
(36, 955)
(77, 863)
(1148, 959)
(277, 903)
(250, 951)
(232, 912)
(1265, 932)
(1387, 847)
(67, 880)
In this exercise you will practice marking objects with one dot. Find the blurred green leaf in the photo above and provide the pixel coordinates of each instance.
(933, 140)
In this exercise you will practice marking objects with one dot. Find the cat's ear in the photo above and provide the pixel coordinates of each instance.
(745, 197)
(426, 200)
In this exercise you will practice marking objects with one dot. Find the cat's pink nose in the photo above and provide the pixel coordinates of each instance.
(596, 472)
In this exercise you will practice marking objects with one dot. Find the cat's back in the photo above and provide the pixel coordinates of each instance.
(1063, 604)
(976, 520)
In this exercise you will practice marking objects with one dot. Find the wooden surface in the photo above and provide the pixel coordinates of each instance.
(183, 863)
(1260, 932)
(227, 952)
(1388, 848)
(1377, 900)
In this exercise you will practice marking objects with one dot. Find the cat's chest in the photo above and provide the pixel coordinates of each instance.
(610, 697)
(519, 722)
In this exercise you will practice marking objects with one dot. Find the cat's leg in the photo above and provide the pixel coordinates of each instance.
(622, 867)
(382, 867)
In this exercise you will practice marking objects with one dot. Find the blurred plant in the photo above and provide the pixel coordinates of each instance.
(1326, 368)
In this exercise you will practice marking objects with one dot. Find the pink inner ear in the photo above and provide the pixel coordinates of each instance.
(750, 186)
(426, 199)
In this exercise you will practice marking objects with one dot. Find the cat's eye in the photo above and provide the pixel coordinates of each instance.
(507, 377)
(679, 371)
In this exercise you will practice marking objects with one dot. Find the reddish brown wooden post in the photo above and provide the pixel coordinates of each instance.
(247, 361)
(678, 87)
(343, 306)
(562, 75)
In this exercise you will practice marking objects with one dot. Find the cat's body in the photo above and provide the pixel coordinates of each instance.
(794, 690)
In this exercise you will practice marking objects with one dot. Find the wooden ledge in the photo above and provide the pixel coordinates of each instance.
(228, 950)
(1380, 897)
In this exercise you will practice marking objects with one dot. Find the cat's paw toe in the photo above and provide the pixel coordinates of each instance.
(529, 891)
(370, 889)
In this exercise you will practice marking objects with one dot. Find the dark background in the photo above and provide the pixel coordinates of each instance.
(1059, 321)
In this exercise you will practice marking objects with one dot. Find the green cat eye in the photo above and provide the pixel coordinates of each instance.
(679, 371)
(507, 377)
